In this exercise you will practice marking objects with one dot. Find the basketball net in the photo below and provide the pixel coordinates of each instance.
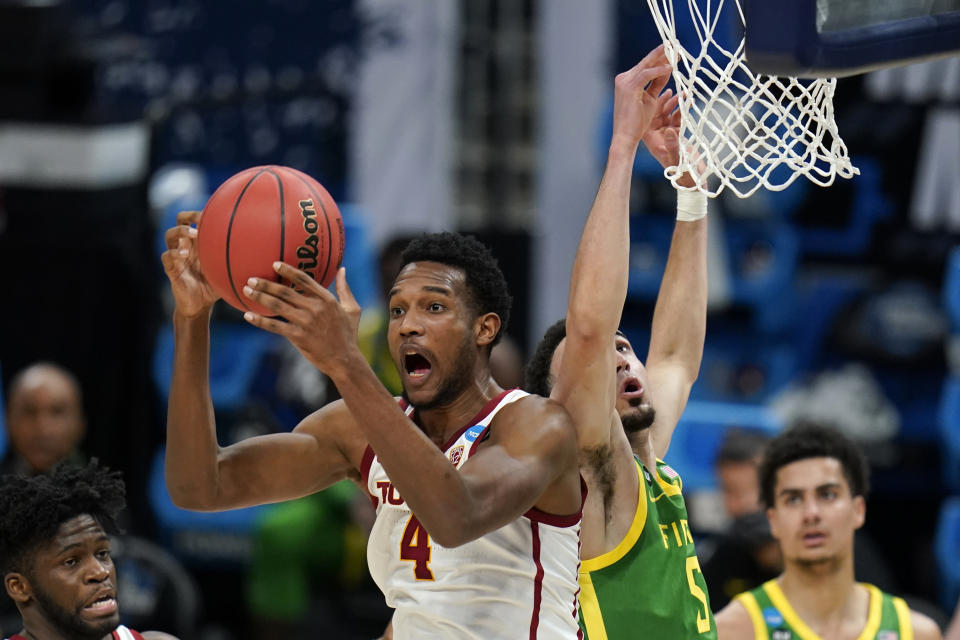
(739, 130)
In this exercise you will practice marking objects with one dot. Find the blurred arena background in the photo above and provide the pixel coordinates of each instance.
(491, 117)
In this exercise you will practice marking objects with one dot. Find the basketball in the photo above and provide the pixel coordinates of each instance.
(262, 215)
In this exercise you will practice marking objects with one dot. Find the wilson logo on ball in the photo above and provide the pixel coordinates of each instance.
(262, 215)
(307, 252)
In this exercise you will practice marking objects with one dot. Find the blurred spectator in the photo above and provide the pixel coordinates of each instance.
(506, 363)
(849, 398)
(46, 423)
(45, 420)
(745, 555)
(736, 465)
(309, 571)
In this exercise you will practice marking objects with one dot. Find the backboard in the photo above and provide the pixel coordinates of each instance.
(835, 38)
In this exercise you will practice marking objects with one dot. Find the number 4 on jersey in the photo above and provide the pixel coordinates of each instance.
(415, 546)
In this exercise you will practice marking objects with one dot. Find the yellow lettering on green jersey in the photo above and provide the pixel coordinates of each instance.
(686, 531)
(676, 534)
(663, 534)
(703, 617)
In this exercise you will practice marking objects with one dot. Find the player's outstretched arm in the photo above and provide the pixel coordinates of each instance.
(598, 287)
(200, 474)
(492, 488)
(680, 314)
(734, 623)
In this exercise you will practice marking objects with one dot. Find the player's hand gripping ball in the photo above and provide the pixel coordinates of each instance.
(262, 215)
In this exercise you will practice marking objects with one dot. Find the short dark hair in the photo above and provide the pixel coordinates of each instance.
(537, 374)
(33, 508)
(484, 279)
(741, 444)
(810, 440)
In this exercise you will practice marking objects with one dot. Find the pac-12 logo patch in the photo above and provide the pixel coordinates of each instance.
(772, 617)
(888, 635)
(781, 634)
(473, 432)
(456, 455)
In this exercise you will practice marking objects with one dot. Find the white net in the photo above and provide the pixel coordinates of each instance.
(743, 131)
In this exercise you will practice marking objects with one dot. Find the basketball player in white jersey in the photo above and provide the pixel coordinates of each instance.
(477, 490)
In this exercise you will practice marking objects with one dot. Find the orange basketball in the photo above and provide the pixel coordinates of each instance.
(262, 215)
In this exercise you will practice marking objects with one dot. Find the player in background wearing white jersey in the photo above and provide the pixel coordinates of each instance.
(443, 514)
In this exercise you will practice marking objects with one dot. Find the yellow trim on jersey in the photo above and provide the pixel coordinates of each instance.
(629, 540)
(590, 609)
(669, 488)
(780, 601)
(903, 616)
(749, 603)
(876, 612)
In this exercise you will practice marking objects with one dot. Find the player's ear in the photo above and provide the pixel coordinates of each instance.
(774, 525)
(18, 587)
(486, 328)
(859, 511)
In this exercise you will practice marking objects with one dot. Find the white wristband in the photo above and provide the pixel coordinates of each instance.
(691, 205)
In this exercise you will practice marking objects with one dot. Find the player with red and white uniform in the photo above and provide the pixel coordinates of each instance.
(522, 576)
(120, 633)
(490, 565)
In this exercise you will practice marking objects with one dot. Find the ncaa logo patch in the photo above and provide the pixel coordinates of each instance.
(773, 618)
(456, 455)
(888, 635)
(473, 432)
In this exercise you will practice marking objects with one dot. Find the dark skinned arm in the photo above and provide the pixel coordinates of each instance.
(506, 477)
(200, 474)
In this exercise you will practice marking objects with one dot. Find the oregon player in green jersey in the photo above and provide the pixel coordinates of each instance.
(814, 481)
(651, 580)
(639, 572)
(773, 618)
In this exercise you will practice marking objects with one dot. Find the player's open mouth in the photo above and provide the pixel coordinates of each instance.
(632, 390)
(416, 365)
(104, 604)
(814, 538)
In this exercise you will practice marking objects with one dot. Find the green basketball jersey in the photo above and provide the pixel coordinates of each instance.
(888, 617)
(650, 585)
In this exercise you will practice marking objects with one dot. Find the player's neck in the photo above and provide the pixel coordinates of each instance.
(442, 422)
(822, 594)
(642, 444)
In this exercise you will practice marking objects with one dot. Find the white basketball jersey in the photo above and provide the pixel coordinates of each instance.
(519, 581)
